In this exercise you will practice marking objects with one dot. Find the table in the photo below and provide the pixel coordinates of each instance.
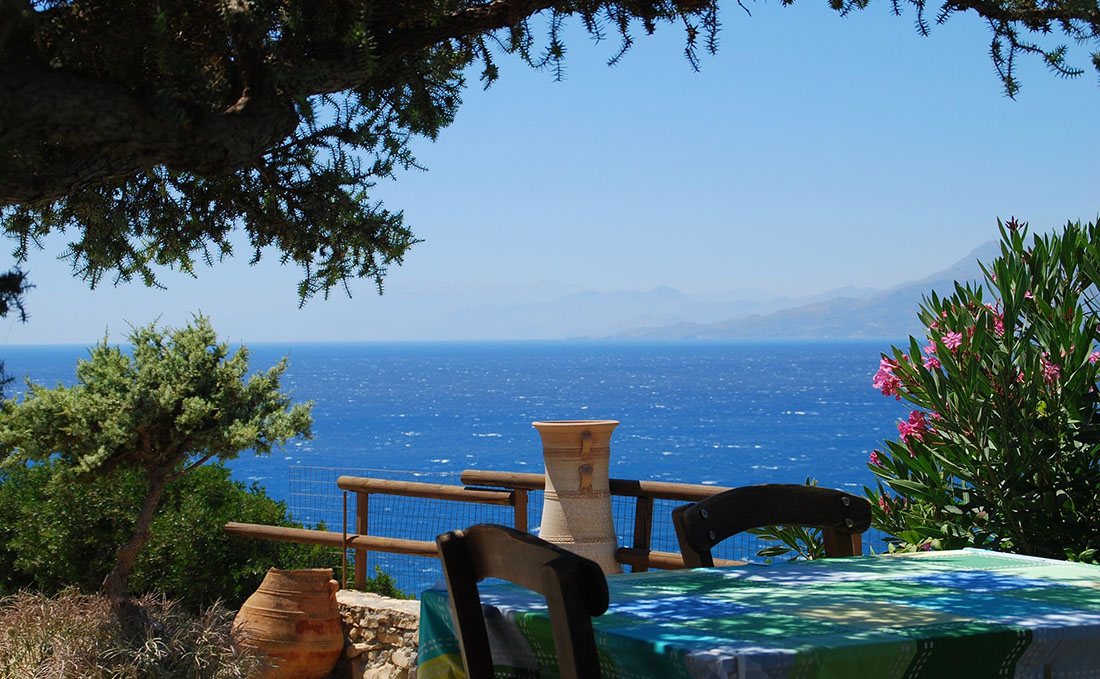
(967, 613)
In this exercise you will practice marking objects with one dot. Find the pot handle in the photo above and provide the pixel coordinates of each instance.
(586, 467)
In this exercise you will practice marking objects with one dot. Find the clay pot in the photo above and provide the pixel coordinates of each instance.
(576, 510)
(294, 620)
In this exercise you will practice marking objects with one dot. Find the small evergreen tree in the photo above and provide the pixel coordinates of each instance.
(174, 401)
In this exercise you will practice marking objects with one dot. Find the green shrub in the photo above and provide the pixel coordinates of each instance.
(1001, 448)
(381, 583)
(58, 530)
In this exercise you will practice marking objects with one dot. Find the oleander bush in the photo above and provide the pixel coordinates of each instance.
(59, 530)
(73, 634)
(1000, 449)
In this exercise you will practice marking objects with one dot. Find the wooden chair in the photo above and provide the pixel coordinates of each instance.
(842, 517)
(574, 587)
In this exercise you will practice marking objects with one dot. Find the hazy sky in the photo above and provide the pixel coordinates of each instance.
(811, 153)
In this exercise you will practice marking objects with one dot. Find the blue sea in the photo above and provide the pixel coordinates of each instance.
(723, 413)
(726, 413)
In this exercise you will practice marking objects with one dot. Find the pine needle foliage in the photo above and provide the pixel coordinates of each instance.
(148, 132)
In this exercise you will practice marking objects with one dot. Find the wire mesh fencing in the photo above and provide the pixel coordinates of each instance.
(314, 500)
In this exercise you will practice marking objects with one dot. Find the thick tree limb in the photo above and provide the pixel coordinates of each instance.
(105, 131)
(1029, 13)
(118, 134)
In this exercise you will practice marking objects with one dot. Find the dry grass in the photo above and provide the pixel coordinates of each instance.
(75, 635)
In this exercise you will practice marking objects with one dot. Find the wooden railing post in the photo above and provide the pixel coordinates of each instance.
(643, 527)
(519, 501)
(362, 503)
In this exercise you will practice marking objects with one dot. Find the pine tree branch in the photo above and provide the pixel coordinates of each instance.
(1029, 13)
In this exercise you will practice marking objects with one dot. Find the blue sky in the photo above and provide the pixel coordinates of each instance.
(812, 152)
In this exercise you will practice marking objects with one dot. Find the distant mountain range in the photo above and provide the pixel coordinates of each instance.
(885, 314)
(552, 311)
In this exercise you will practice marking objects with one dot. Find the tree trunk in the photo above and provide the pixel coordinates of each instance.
(114, 585)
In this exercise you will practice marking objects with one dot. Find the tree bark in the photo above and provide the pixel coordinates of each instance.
(114, 585)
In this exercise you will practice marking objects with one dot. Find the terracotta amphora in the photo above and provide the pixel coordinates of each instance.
(576, 510)
(294, 620)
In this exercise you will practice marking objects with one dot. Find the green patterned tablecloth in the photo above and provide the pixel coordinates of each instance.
(968, 613)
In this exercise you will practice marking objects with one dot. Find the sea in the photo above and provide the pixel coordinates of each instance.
(725, 413)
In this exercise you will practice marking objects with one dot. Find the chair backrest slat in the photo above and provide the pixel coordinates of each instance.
(840, 516)
(574, 587)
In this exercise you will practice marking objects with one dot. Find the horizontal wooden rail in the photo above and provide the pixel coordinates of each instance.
(329, 538)
(436, 491)
(478, 477)
(687, 492)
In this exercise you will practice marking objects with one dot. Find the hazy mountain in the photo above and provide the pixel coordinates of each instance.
(455, 312)
(596, 314)
(891, 313)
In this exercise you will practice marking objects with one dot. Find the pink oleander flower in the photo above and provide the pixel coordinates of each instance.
(1094, 357)
(1028, 295)
(886, 380)
(1051, 371)
(913, 428)
(931, 362)
(998, 320)
(874, 457)
(883, 505)
(953, 340)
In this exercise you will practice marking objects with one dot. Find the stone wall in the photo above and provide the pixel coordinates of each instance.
(380, 635)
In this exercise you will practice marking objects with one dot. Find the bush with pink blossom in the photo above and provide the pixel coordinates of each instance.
(1001, 449)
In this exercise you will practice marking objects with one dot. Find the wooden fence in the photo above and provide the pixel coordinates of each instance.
(483, 487)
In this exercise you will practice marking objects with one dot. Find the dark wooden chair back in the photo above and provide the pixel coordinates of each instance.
(574, 587)
(840, 516)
